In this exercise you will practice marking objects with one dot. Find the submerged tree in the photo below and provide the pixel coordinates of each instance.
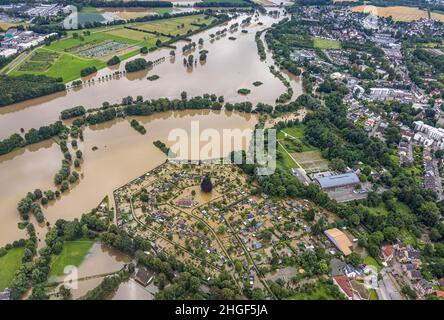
(206, 185)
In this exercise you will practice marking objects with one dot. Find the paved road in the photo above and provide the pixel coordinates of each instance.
(14, 63)
(388, 287)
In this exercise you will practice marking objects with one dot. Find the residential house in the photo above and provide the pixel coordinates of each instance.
(387, 252)
(423, 287)
(414, 275)
(143, 276)
(344, 286)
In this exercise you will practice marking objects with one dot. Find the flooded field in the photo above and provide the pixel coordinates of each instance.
(230, 65)
(100, 260)
(22, 171)
(131, 290)
(122, 155)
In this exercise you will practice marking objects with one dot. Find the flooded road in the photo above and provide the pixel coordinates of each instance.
(230, 65)
(122, 155)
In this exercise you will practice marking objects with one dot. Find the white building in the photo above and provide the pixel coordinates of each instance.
(428, 135)
(8, 52)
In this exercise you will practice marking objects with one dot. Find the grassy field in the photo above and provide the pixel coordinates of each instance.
(311, 160)
(407, 237)
(287, 161)
(67, 66)
(9, 264)
(326, 44)
(382, 209)
(399, 13)
(90, 10)
(175, 26)
(308, 156)
(135, 35)
(372, 262)
(73, 253)
(68, 56)
(379, 210)
(295, 134)
(320, 293)
(373, 295)
(73, 45)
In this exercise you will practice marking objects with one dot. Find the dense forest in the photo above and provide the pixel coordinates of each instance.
(18, 88)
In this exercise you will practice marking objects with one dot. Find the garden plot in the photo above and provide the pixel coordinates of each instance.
(311, 161)
(102, 49)
(40, 61)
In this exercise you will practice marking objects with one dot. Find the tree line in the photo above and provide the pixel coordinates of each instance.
(32, 136)
(24, 87)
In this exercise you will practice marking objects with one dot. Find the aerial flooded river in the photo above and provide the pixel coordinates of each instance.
(230, 65)
(122, 153)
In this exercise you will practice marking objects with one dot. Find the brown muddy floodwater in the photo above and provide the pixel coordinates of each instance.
(100, 260)
(230, 65)
(123, 154)
(131, 290)
(22, 171)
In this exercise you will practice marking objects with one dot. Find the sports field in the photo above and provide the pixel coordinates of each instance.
(66, 57)
(326, 44)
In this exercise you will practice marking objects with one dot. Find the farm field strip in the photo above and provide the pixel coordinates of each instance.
(399, 13)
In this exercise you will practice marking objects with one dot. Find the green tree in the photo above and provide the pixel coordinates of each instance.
(354, 259)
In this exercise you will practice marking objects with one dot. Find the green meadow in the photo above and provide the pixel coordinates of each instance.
(9, 264)
(73, 254)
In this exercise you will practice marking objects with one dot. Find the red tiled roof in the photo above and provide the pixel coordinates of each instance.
(343, 282)
(387, 250)
(440, 294)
